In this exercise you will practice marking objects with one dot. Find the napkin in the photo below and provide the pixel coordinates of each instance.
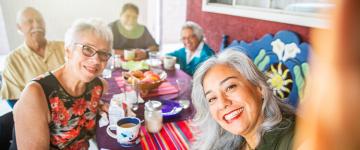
(103, 120)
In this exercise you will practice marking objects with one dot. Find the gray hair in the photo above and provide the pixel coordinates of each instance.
(91, 25)
(212, 135)
(19, 15)
(197, 30)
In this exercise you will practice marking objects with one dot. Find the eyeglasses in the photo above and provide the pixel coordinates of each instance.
(90, 51)
(188, 38)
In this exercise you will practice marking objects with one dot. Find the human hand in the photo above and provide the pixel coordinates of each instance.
(119, 52)
(140, 54)
(105, 107)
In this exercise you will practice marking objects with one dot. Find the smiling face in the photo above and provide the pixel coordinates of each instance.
(234, 102)
(189, 39)
(32, 25)
(87, 68)
(129, 19)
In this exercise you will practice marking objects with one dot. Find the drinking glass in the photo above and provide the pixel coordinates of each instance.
(183, 85)
(131, 97)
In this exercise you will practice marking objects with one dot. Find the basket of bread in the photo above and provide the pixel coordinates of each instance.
(145, 81)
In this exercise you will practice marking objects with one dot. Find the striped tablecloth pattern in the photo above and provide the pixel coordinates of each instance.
(174, 135)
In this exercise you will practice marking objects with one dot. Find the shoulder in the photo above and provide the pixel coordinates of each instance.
(19, 51)
(15, 56)
(32, 97)
(207, 49)
(145, 28)
(111, 24)
(286, 131)
(56, 44)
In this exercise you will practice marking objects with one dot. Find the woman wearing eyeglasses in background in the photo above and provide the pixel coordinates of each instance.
(58, 110)
(195, 50)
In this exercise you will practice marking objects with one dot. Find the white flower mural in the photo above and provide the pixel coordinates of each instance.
(285, 51)
(278, 48)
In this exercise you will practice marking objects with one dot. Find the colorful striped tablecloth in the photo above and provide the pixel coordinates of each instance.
(174, 135)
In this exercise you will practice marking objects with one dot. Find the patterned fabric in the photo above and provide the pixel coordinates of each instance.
(174, 135)
(73, 119)
(22, 65)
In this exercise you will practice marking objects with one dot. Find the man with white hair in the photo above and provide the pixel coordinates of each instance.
(32, 58)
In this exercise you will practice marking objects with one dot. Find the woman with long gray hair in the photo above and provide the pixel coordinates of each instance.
(235, 107)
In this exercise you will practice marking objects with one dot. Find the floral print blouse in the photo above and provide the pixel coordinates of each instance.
(73, 119)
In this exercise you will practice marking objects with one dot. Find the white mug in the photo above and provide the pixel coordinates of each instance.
(127, 131)
(129, 54)
(169, 62)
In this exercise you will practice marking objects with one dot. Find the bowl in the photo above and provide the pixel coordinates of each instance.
(144, 82)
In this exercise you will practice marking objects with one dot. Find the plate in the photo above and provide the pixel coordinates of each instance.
(170, 108)
(135, 65)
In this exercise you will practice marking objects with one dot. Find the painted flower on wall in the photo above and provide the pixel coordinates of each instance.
(280, 80)
(284, 51)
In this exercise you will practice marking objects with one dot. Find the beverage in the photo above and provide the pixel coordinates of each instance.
(169, 62)
(127, 125)
(129, 54)
(153, 116)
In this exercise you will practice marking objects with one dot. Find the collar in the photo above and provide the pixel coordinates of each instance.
(28, 52)
(196, 54)
(135, 33)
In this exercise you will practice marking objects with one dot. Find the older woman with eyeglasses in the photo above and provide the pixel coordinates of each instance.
(236, 108)
(58, 110)
(195, 50)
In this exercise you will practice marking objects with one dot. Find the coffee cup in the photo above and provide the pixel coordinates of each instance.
(129, 54)
(127, 131)
(169, 62)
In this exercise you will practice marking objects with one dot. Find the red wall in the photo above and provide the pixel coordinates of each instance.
(241, 28)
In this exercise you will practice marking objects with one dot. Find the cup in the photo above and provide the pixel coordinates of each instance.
(129, 54)
(127, 131)
(169, 62)
(107, 73)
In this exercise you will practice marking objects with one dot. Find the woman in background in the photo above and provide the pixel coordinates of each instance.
(195, 50)
(130, 35)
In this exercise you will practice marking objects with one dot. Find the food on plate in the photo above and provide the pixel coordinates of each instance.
(138, 75)
(146, 81)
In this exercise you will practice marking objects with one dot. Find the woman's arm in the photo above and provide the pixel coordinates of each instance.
(31, 118)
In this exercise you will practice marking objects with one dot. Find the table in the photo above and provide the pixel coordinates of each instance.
(175, 134)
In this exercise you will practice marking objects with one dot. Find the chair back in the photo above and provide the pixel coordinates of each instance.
(283, 58)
